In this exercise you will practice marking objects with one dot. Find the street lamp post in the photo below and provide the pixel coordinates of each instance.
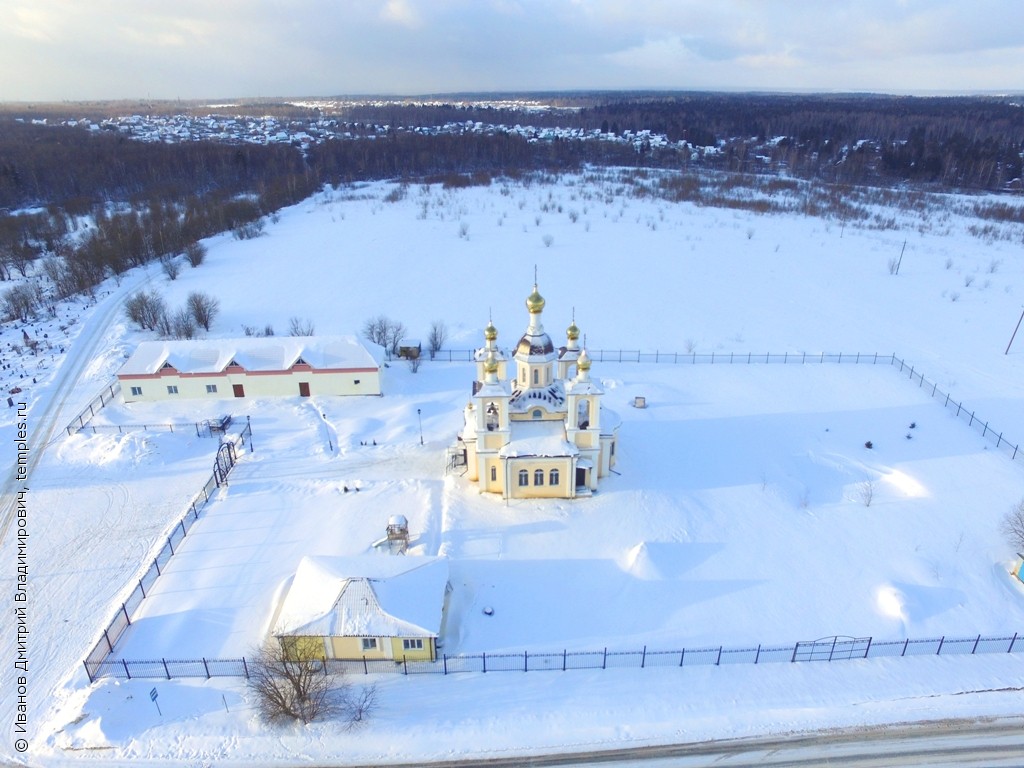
(420, 417)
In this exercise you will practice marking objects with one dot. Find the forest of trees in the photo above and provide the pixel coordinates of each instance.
(156, 200)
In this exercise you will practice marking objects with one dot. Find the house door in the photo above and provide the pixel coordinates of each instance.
(303, 389)
(581, 477)
(238, 389)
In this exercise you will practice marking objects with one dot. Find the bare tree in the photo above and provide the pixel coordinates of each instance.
(437, 337)
(1012, 526)
(395, 335)
(287, 688)
(21, 301)
(183, 325)
(866, 491)
(195, 253)
(170, 266)
(376, 330)
(146, 309)
(299, 327)
(204, 308)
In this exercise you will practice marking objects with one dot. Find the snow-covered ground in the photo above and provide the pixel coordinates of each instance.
(740, 514)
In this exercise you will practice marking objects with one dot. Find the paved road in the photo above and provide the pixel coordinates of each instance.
(993, 743)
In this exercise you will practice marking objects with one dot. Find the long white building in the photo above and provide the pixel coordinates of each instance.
(274, 366)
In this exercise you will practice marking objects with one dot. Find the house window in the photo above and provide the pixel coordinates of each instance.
(494, 474)
(553, 477)
(538, 477)
(136, 391)
(211, 389)
(172, 389)
(355, 381)
(413, 645)
(524, 477)
(369, 643)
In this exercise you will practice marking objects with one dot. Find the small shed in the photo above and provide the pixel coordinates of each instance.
(364, 607)
(410, 349)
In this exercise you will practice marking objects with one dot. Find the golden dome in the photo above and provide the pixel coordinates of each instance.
(535, 302)
(572, 332)
(491, 363)
(490, 332)
(583, 363)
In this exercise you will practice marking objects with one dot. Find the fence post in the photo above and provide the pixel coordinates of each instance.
(1010, 649)
(366, 671)
(142, 588)
(405, 664)
(126, 671)
(604, 661)
(156, 564)
(975, 645)
(905, 644)
(166, 670)
(444, 662)
(758, 656)
(245, 668)
(867, 650)
(526, 661)
(563, 659)
(207, 668)
(126, 616)
(170, 545)
(718, 661)
(643, 658)
(939, 649)
(88, 673)
(485, 661)
(682, 655)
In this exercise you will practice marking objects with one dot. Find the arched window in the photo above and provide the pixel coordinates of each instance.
(536, 377)
(524, 477)
(583, 414)
(494, 473)
(553, 477)
(538, 477)
(537, 414)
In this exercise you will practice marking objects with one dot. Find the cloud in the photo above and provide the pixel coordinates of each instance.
(401, 12)
(64, 49)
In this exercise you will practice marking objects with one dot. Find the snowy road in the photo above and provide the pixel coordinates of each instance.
(938, 744)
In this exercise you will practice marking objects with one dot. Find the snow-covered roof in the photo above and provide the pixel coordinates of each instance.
(538, 438)
(365, 596)
(252, 354)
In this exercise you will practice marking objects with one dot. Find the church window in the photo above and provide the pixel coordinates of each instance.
(494, 474)
(538, 477)
(537, 414)
(524, 477)
(536, 377)
(553, 477)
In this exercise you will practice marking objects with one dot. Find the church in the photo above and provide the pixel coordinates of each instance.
(535, 427)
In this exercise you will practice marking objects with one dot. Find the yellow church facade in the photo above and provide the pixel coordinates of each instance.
(535, 426)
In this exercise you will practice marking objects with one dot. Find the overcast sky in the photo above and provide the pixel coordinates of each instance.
(98, 49)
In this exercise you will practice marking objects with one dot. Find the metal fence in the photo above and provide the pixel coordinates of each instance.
(227, 456)
(827, 649)
(960, 410)
(96, 404)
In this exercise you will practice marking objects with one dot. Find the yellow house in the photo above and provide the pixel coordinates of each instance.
(371, 606)
(249, 367)
(538, 429)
